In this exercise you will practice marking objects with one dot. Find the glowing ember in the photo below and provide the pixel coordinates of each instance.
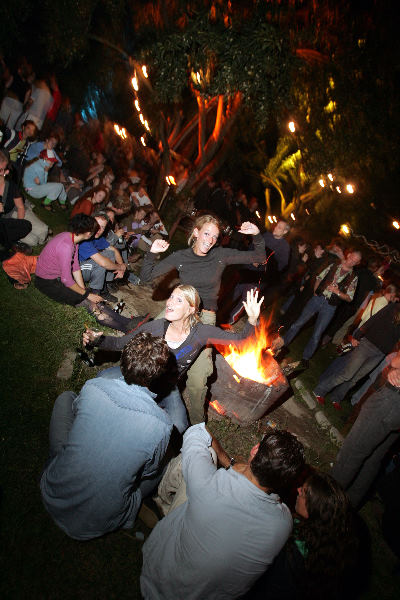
(251, 360)
(217, 407)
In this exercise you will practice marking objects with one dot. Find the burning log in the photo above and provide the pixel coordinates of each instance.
(249, 381)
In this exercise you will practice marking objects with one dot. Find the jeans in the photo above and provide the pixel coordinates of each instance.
(49, 191)
(371, 436)
(372, 378)
(350, 368)
(95, 274)
(316, 305)
(172, 403)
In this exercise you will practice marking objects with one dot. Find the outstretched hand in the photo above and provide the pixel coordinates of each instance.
(253, 306)
(159, 246)
(249, 228)
(89, 336)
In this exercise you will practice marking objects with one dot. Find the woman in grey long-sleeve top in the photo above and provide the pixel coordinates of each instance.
(186, 337)
(202, 266)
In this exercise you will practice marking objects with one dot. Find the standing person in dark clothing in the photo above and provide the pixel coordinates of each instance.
(203, 194)
(374, 432)
(333, 285)
(368, 282)
(261, 275)
(202, 266)
(294, 305)
(376, 338)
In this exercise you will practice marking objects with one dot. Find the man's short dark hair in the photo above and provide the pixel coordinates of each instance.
(144, 360)
(279, 460)
(29, 122)
(82, 223)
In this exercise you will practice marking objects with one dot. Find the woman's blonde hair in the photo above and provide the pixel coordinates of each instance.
(192, 297)
(198, 224)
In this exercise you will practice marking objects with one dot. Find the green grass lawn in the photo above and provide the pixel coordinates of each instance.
(38, 561)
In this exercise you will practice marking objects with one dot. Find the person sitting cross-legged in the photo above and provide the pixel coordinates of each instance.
(100, 262)
(107, 445)
(225, 535)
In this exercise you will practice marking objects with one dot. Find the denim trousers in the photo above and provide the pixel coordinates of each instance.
(172, 403)
(95, 274)
(344, 373)
(325, 311)
(372, 378)
(371, 436)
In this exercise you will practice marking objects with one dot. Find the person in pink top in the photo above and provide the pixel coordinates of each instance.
(58, 274)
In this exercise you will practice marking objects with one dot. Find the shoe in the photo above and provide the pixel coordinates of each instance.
(319, 399)
(226, 326)
(337, 405)
(112, 287)
(105, 294)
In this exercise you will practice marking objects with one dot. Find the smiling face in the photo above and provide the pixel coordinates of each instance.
(206, 238)
(177, 307)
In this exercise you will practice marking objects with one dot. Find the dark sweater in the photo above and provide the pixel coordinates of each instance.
(200, 335)
(203, 272)
(381, 330)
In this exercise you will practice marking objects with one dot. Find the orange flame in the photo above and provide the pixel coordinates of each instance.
(252, 360)
(217, 407)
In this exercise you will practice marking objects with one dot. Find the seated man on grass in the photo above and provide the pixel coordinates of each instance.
(100, 262)
(232, 525)
(107, 445)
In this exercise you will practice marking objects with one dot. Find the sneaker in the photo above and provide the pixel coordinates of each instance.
(319, 399)
(337, 405)
(105, 294)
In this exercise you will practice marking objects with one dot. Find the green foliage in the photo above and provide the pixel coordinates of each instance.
(251, 56)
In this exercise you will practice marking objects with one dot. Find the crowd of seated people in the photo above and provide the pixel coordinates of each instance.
(235, 531)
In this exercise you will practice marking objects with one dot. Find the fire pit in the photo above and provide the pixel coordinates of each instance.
(249, 380)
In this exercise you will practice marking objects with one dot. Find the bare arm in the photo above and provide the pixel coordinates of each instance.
(107, 263)
(118, 257)
(19, 203)
(77, 275)
(223, 458)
